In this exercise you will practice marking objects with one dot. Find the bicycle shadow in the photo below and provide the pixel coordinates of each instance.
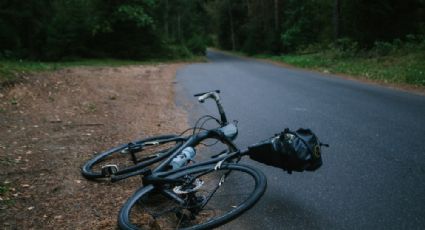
(279, 211)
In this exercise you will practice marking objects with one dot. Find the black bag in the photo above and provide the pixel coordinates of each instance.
(290, 151)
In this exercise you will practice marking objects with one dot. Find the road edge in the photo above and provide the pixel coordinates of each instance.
(417, 90)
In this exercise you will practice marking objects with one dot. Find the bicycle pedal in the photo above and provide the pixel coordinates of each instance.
(109, 170)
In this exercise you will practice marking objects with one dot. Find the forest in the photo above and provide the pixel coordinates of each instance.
(63, 30)
(137, 29)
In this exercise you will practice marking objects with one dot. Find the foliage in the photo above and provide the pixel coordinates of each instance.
(22, 27)
(149, 29)
(383, 48)
(402, 64)
(382, 20)
(73, 29)
(196, 45)
(135, 14)
(304, 24)
(70, 28)
(276, 26)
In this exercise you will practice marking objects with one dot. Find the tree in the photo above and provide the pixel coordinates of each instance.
(55, 29)
(22, 27)
(336, 19)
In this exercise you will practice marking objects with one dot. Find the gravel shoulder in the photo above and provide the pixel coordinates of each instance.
(53, 122)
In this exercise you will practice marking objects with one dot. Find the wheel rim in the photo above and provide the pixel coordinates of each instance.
(204, 206)
(124, 163)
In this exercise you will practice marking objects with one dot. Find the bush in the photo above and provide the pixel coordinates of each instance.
(415, 42)
(251, 46)
(290, 39)
(344, 48)
(177, 51)
(312, 48)
(415, 76)
(383, 48)
(347, 45)
(411, 43)
(197, 45)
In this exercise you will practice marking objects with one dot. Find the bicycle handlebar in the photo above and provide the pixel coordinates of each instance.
(200, 94)
(214, 95)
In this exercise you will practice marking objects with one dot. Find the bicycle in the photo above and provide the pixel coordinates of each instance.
(202, 195)
(158, 148)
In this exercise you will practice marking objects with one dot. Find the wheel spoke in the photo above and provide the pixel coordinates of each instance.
(221, 196)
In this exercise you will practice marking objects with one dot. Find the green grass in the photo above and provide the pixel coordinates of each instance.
(395, 68)
(3, 190)
(6, 201)
(10, 70)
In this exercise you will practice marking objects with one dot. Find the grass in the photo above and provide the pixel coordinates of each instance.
(5, 162)
(10, 70)
(404, 68)
(3, 190)
(5, 193)
(91, 107)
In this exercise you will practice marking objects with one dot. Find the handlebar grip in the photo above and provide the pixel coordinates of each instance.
(200, 94)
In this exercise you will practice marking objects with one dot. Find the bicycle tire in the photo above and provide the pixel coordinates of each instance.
(90, 173)
(145, 195)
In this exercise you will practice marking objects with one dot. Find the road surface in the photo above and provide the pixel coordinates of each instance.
(373, 175)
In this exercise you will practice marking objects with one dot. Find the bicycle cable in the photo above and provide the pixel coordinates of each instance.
(196, 124)
(201, 126)
(206, 118)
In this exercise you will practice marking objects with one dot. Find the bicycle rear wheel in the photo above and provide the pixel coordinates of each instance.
(205, 198)
(130, 157)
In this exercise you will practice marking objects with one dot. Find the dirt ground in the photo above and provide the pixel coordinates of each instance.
(53, 122)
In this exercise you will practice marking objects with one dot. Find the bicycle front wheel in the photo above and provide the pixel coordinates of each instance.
(130, 157)
(203, 198)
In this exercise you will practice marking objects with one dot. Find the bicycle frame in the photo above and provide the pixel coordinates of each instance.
(225, 133)
(163, 168)
(195, 140)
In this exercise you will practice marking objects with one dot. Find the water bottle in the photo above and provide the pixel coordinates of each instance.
(183, 158)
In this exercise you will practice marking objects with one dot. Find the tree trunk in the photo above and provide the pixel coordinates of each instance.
(276, 15)
(232, 29)
(179, 28)
(336, 19)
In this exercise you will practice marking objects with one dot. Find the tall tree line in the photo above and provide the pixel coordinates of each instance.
(256, 26)
(57, 29)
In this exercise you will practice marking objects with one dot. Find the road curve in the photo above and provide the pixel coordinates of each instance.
(373, 174)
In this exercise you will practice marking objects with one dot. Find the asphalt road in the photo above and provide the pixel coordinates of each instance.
(373, 175)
